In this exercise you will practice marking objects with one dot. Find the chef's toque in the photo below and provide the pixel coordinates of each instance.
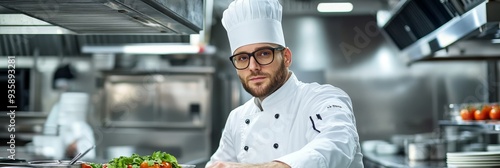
(253, 21)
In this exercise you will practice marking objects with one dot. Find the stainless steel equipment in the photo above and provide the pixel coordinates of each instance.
(55, 164)
(43, 164)
(421, 28)
(114, 16)
(25, 87)
(167, 110)
(158, 99)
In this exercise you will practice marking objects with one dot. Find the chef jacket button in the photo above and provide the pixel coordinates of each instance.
(275, 145)
(247, 121)
(246, 148)
(277, 116)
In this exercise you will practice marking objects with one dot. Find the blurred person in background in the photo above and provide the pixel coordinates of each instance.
(67, 118)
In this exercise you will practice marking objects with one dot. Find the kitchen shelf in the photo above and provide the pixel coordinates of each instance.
(26, 114)
(461, 58)
(20, 136)
(169, 70)
(486, 125)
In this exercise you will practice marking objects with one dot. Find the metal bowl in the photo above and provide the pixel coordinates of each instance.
(55, 164)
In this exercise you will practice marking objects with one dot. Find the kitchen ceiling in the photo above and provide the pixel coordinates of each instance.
(12, 42)
(170, 17)
(92, 17)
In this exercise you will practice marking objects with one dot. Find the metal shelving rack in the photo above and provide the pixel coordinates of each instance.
(488, 126)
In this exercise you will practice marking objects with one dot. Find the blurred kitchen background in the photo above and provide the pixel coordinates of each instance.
(156, 73)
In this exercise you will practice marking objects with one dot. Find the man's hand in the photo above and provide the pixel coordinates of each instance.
(71, 150)
(273, 164)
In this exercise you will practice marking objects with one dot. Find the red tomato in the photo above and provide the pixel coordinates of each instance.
(84, 165)
(129, 166)
(486, 109)
(481, 115)
(166, 165)
(156, 165)
(495, 113)
(466, 114)
(144, 164)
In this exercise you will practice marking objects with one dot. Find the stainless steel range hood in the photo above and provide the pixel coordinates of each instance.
(115, 16)
(420, 28)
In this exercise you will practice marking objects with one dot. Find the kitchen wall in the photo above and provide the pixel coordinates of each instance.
(389, 96)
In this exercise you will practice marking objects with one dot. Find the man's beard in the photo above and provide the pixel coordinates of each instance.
(264, 91)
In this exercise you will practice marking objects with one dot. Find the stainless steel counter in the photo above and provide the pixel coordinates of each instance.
(395, 161)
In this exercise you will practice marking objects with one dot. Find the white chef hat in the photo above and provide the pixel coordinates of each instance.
(253, 21)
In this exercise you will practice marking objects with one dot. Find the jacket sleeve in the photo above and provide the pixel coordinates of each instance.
(226, 151)
(332, 137)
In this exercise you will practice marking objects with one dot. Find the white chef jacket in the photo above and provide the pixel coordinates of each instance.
(70, 129)
(301, 124)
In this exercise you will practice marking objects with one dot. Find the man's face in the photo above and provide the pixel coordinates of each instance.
(262, 80)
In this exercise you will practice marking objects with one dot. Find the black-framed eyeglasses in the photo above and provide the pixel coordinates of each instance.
(263, 56)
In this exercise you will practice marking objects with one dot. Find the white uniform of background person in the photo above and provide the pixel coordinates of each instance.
(68, 116)
(300, 124)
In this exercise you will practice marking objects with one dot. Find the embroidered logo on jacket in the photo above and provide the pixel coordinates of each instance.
(333, 106)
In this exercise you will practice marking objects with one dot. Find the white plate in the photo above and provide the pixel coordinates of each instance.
(474, 159)
(473, 165)
(469, 154)
(187, 166)
(482, 162)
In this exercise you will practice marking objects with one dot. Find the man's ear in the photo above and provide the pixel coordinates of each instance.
(287, 53)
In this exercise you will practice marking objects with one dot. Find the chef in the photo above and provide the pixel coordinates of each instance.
(287, 123)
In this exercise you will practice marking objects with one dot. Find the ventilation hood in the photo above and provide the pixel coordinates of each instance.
(111, 16)
(420, 28)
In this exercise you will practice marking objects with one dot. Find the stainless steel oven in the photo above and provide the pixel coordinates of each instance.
(167, 110)
(157, 99)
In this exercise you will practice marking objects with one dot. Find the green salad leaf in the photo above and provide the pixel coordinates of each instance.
(135, 160)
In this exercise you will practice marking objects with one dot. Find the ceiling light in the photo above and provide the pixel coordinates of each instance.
(151, 48)
(382, 17)
(335, 7)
